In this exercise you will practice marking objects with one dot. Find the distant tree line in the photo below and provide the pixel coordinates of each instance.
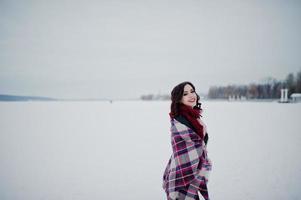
(269, 89)
(149, 97)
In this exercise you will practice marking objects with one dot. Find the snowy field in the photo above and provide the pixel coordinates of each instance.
(99, 150)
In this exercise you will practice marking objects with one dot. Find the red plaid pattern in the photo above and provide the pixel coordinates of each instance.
(188, 168)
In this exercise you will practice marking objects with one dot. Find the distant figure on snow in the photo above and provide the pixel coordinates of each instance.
(188, 168)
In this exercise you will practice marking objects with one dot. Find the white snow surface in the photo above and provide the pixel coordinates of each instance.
(119, 150)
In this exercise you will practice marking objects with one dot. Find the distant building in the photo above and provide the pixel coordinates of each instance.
(296, 97)
(283, 98)
(237, 98)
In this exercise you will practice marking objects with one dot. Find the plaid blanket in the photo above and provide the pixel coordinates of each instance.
(188, 164)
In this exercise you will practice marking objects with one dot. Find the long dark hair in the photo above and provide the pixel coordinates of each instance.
(176, 97)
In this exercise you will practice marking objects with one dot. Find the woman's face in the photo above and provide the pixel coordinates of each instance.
(189, 96)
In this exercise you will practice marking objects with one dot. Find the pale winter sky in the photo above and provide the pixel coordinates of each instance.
(126, 48)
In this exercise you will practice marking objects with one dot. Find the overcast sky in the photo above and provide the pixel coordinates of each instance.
(126, 48)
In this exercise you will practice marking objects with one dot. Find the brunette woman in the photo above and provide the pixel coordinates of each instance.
(187, 171)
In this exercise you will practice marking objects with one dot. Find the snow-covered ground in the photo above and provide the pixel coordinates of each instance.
(99, 150)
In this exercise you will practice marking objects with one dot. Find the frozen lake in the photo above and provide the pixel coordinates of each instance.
(99, 150)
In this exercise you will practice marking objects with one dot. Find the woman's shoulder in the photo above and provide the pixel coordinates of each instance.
(179, 124)
(176, 125)
(183, 121)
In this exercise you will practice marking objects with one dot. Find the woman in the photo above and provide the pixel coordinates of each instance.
(187, 170)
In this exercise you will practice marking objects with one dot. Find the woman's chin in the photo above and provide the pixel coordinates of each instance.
(191, 104)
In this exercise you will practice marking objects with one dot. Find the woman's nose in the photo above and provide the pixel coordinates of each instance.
(191, 94)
